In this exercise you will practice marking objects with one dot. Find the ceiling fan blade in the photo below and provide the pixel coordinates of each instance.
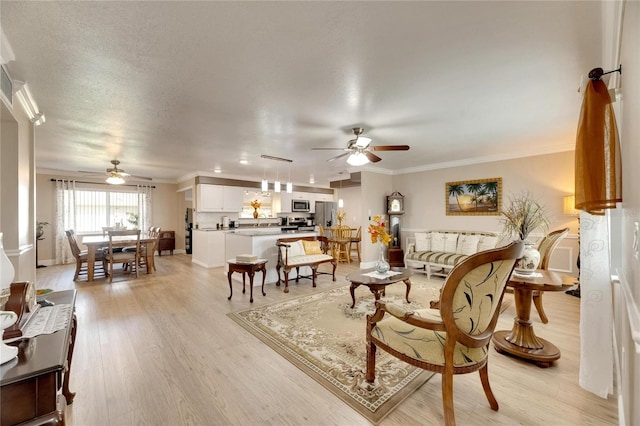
(134, 177)
(337, 156)
(372, 157)
(327, 149)
(90, 173)
(390, 148)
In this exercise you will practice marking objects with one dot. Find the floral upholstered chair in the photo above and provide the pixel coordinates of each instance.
(455, 339)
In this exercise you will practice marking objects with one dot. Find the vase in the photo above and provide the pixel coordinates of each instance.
(382, 266)
(255, 213)
(529, 261)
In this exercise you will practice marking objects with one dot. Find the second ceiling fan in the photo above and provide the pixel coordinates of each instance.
(359, 149)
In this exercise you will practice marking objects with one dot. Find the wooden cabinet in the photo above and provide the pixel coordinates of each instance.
(208, 248)
(219, 198)
(167, 241)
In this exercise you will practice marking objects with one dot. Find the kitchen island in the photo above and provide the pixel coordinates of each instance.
(262, 243)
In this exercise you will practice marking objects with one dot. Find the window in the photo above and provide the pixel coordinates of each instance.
(97, 209)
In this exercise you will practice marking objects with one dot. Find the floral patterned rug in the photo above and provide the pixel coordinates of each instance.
(325, 338)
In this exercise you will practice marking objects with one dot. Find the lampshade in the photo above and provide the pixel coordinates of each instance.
(570, 206)
(289, 187)
(357, 159)
(265, 185)
(115, 180)
(276, 186)
(6, 270)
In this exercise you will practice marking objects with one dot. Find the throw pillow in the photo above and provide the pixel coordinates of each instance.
(311, 247)
(437, 241)
(423, 241)
(467, 244)
(487, 243)
(450, 243)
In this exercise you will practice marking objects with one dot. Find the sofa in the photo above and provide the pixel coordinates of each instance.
(435, 252)
(296, 252)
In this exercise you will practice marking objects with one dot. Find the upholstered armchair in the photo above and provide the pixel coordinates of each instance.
(455, 339)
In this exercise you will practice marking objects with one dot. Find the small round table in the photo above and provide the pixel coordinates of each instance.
(376, 284)
(247, 268)
(521, 341)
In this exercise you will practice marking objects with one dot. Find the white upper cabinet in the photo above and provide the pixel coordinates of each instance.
(219, 198)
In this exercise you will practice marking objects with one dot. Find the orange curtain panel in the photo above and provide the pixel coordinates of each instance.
(598, 169)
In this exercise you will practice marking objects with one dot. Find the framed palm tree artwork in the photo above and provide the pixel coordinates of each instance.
(480, 197)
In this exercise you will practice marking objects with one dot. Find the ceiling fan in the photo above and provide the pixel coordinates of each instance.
(359, 149)
(116, 176)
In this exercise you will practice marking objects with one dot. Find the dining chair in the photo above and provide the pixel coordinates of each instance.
(129, 257)
(81, 257)
(154, 232)
(546, 247)
(342, 242)
(455, 339)
(355, 243)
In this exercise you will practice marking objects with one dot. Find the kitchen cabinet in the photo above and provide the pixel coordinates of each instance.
(219, 198)
(208, 248)
(285, 202)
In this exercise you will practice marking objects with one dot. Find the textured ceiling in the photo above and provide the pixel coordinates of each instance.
(174, 88)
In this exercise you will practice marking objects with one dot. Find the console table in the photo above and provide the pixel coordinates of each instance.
(34, 387)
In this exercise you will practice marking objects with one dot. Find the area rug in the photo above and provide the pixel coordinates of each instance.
(325, 338)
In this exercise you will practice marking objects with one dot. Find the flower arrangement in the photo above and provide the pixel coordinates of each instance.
(378, 231)
(341, 215)
(523, 216)
(256, 204)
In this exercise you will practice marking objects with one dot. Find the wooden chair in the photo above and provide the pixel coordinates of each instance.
(342, 241)
(82, 257)
(130, 257)
(546, 247)
(455, 339)
(355, 243)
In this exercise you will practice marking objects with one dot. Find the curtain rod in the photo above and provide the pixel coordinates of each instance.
(596, 73)
(99, 183)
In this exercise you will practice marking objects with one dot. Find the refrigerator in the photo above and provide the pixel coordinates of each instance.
(326, 213)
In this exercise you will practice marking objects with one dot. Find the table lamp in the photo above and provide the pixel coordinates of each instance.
(7, 318)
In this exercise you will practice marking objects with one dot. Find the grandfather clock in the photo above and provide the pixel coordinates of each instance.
(395, 209)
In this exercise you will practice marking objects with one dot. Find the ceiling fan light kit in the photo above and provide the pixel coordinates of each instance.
(359, 149)
(114, 179)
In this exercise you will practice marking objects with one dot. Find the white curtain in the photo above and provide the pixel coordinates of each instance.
(65, 218)
(145, 203)
(596, 341)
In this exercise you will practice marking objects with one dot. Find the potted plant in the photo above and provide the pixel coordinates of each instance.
(520, 218)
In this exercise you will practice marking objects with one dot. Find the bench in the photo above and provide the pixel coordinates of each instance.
(436, 252)
(296, 252)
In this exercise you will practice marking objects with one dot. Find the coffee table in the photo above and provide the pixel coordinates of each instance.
(378, 284)
(247, 268)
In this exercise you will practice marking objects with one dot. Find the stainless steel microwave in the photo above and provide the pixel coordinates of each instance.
(300, 205)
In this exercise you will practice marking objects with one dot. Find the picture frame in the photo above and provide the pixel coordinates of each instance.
(478, 197)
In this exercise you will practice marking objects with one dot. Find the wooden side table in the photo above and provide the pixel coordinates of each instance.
(521, 341)
(247, 268)
(167, 241)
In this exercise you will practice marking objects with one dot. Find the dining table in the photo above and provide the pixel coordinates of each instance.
(96, 242)
(521, 341)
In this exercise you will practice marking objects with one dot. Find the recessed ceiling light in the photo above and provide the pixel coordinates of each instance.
(217, 170)
(244, 162)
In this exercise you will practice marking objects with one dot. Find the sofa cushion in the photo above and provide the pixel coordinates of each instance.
(487, 243)
(467, 244)
(437, 241)
(436, 257)
(295, 249)
(450, 242)
(311, 247)
(307, 259)
(423, 241)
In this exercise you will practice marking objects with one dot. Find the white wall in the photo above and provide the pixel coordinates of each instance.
(627, 294)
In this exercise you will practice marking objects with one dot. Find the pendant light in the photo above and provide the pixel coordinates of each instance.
(340, 200)
(289, 184)
(276, 184)
(265, 184)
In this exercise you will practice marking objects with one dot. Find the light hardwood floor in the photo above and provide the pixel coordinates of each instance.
(160, 350)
